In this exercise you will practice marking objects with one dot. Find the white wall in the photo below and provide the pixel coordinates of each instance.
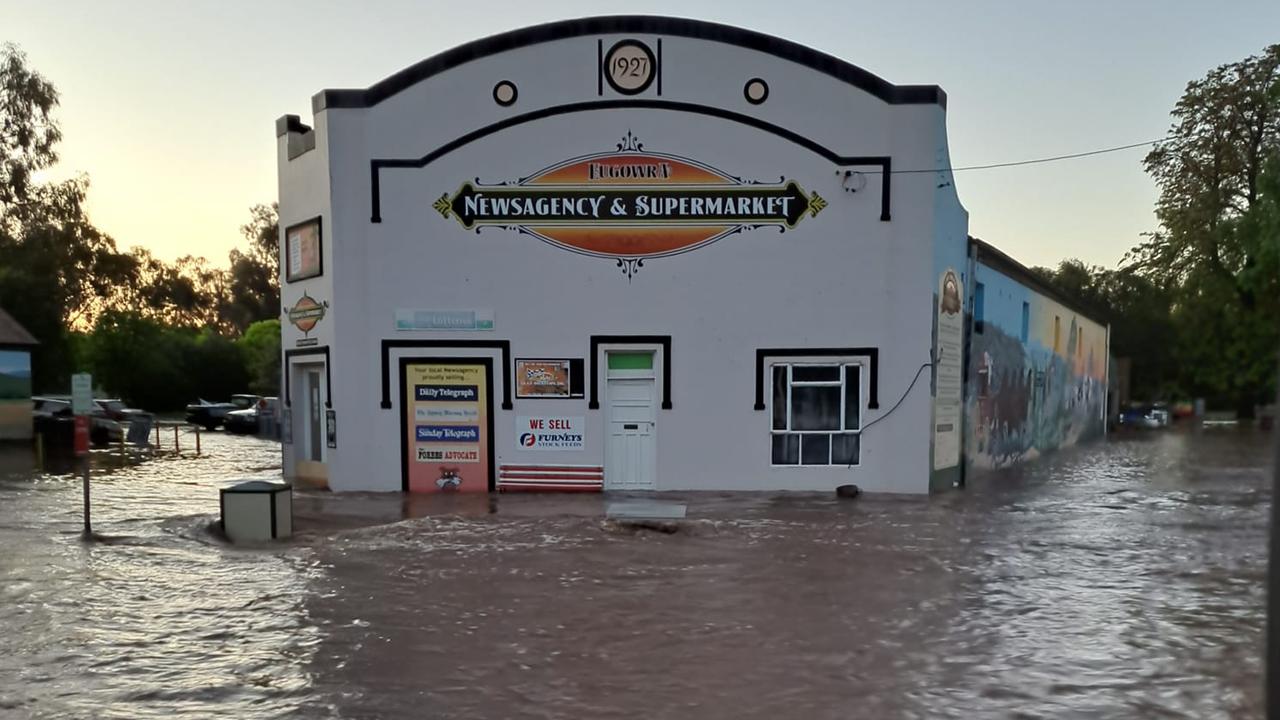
(841, 279)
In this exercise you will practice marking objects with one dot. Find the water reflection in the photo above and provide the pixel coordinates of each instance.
(1123, 579)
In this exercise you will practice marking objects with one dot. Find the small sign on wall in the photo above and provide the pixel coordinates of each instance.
(331, 428)
(444, 319)
(541, 378)
(542, 432)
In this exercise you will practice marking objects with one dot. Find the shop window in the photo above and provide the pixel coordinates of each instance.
(817, 414)
(1026, 322)
(979, 306)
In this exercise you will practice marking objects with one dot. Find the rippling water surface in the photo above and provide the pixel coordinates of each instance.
(1122, 579)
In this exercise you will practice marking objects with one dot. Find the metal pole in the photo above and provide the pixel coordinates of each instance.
(88, 527)
(175, 440)
(1273, 584)
(197, 440)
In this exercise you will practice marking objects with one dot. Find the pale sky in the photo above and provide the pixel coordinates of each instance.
(169, 107)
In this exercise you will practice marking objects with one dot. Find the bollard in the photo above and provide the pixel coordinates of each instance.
(197, 440)
(157, 436)
(175, 440)
(40, 450)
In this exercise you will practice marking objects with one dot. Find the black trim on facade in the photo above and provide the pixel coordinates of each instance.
(275, 532)
(328, 373)
(319, 221)
(598, 340)
(299, 138)
(632, 25)
(657, 68)
(503, 345)
(286, 124)
(487, 362)
(881, 161)
(873, 382)
(987, 254)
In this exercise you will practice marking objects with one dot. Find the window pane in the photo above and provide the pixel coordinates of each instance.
(815, 450)
(815, 373)
(630, 360)
(779, 397)
(844, 449)
(852, 396)
(815, 407)
(786, 449)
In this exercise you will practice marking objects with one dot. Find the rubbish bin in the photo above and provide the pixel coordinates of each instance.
(257, 511)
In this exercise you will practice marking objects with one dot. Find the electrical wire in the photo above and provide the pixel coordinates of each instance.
(904, 397)
(1017, 163)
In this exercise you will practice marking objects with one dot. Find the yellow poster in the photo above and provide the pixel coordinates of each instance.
(447, 421)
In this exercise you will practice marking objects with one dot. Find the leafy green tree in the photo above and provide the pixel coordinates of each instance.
(28, 132)
(261, 347)
(1212, 246)
(254, 278)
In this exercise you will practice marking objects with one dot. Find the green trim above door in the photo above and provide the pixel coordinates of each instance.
(630, 360)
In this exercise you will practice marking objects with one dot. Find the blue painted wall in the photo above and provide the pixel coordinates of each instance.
(1024, 398)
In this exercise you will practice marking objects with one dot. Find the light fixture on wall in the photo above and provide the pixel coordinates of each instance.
(852, 180)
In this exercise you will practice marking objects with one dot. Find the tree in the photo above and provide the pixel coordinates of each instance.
(1212, 172)
(260, 345)
(28, 132)
(254, 281)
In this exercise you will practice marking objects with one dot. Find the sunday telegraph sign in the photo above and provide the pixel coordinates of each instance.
(630, 204)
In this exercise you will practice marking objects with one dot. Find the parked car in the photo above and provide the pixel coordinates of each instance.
(251, 421)
(52, 414)
(211, 415)
(1145, 416)
(116, 410)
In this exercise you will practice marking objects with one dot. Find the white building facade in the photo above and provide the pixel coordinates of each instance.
(622, 253)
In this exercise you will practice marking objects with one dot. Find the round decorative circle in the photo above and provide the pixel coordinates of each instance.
(756, 91)
(630, 67)
(505, 93)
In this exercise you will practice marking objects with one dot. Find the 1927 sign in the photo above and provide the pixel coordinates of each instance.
(630, 204)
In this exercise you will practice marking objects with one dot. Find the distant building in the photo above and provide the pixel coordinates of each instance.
(15, 379)
(647, 253)
(1038, 366)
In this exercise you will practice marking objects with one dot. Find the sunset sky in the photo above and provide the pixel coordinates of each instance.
(169, 107)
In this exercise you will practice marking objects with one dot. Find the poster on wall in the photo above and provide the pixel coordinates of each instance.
(447, 407)
(331, 428)
(15, 393)
(302, 251)
(551, 433)
(948, 398)
(541, 378)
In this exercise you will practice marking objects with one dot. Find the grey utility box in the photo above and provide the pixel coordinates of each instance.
(257, 511)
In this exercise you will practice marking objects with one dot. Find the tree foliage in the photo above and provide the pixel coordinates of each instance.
(1216, 241)
(60, 276)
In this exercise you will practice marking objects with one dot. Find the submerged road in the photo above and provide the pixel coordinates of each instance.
(1121, 579)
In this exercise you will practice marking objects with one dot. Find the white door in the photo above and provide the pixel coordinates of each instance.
(631, 454)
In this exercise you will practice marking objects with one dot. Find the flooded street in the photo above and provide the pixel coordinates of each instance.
(1122, 579)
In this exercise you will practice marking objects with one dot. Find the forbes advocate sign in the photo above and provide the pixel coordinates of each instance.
(630, 204)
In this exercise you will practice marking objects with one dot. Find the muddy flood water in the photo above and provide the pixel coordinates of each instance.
(1119, 580)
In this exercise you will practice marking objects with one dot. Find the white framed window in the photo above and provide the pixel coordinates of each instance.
(816, 416)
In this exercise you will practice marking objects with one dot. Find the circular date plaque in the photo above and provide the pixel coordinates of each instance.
(629, 67)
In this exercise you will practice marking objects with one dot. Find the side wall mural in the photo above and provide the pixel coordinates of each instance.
(1037, 375)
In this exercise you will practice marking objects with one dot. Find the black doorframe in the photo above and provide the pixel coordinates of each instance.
(487, 363)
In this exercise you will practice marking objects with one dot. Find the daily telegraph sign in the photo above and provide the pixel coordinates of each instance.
(630, 204)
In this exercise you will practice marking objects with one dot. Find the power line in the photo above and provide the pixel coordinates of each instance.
(1055, 158)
